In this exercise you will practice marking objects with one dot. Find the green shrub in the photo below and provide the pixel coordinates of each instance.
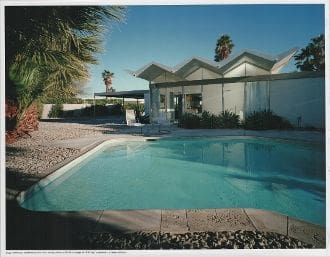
(265, 119)
(100, 110)
(190, 121)
(228, 119)
(132, 105)
(116, 109)
(138, 111)
(40, 108)
(209, 121)
(56, 111)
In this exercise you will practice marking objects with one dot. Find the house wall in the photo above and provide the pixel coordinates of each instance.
(234, 98)
(212, 98)
(257, 96)
(303, 98)
(290, 98)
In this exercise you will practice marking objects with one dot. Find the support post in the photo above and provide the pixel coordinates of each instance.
(245, 100)
(94, 105)
(268, 83)
(183, 100)
(166, 99)
(222, 96)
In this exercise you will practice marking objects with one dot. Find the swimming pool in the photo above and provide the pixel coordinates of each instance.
(185, 173)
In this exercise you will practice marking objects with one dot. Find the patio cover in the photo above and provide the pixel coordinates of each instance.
(137, 94)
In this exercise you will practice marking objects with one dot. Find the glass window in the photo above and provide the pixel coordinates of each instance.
(194, 103)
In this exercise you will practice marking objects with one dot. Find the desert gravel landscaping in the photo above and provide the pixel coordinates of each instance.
(30, 158)
(196, 240)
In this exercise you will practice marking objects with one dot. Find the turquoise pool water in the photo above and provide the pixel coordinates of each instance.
(277, 175)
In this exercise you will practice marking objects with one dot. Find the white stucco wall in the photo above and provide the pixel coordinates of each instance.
(45, 110)
(299, 98)
(234, 98)
(212, 100)
(66, 107)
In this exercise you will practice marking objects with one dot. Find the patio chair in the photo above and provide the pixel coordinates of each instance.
(131, 121)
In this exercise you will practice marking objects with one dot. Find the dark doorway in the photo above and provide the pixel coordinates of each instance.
(177, 107)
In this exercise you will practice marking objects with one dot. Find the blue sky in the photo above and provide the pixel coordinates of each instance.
(172, 34)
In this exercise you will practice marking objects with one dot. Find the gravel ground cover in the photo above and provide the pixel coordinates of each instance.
(30, 158)
(26, 151)
(197, 240)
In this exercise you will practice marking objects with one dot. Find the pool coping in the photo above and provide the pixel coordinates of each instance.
(176, 221)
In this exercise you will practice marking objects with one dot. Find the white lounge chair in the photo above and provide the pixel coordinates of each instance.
(131, 122)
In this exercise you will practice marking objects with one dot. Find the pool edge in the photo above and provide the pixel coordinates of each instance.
(180, 221)
(58, 170)
(301, 230)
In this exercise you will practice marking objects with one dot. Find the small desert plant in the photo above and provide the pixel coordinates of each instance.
(228, 119)
(265, 119)
(138, 111)
(56, 111)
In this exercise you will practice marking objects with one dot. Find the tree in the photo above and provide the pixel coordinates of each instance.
(48, 48)
(312, 57)
(107, 78)
(223, 48)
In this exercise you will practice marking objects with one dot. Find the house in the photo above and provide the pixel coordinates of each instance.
(240, 83)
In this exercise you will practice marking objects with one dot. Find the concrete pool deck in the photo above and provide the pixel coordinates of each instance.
(213, 220)
(60, 229)
(174, 221)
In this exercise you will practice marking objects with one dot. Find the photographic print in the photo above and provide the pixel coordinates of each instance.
(164, 127)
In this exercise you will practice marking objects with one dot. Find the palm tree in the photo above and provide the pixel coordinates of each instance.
(312, 58)
(223, 48)
(48, 48)
(107, 78)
